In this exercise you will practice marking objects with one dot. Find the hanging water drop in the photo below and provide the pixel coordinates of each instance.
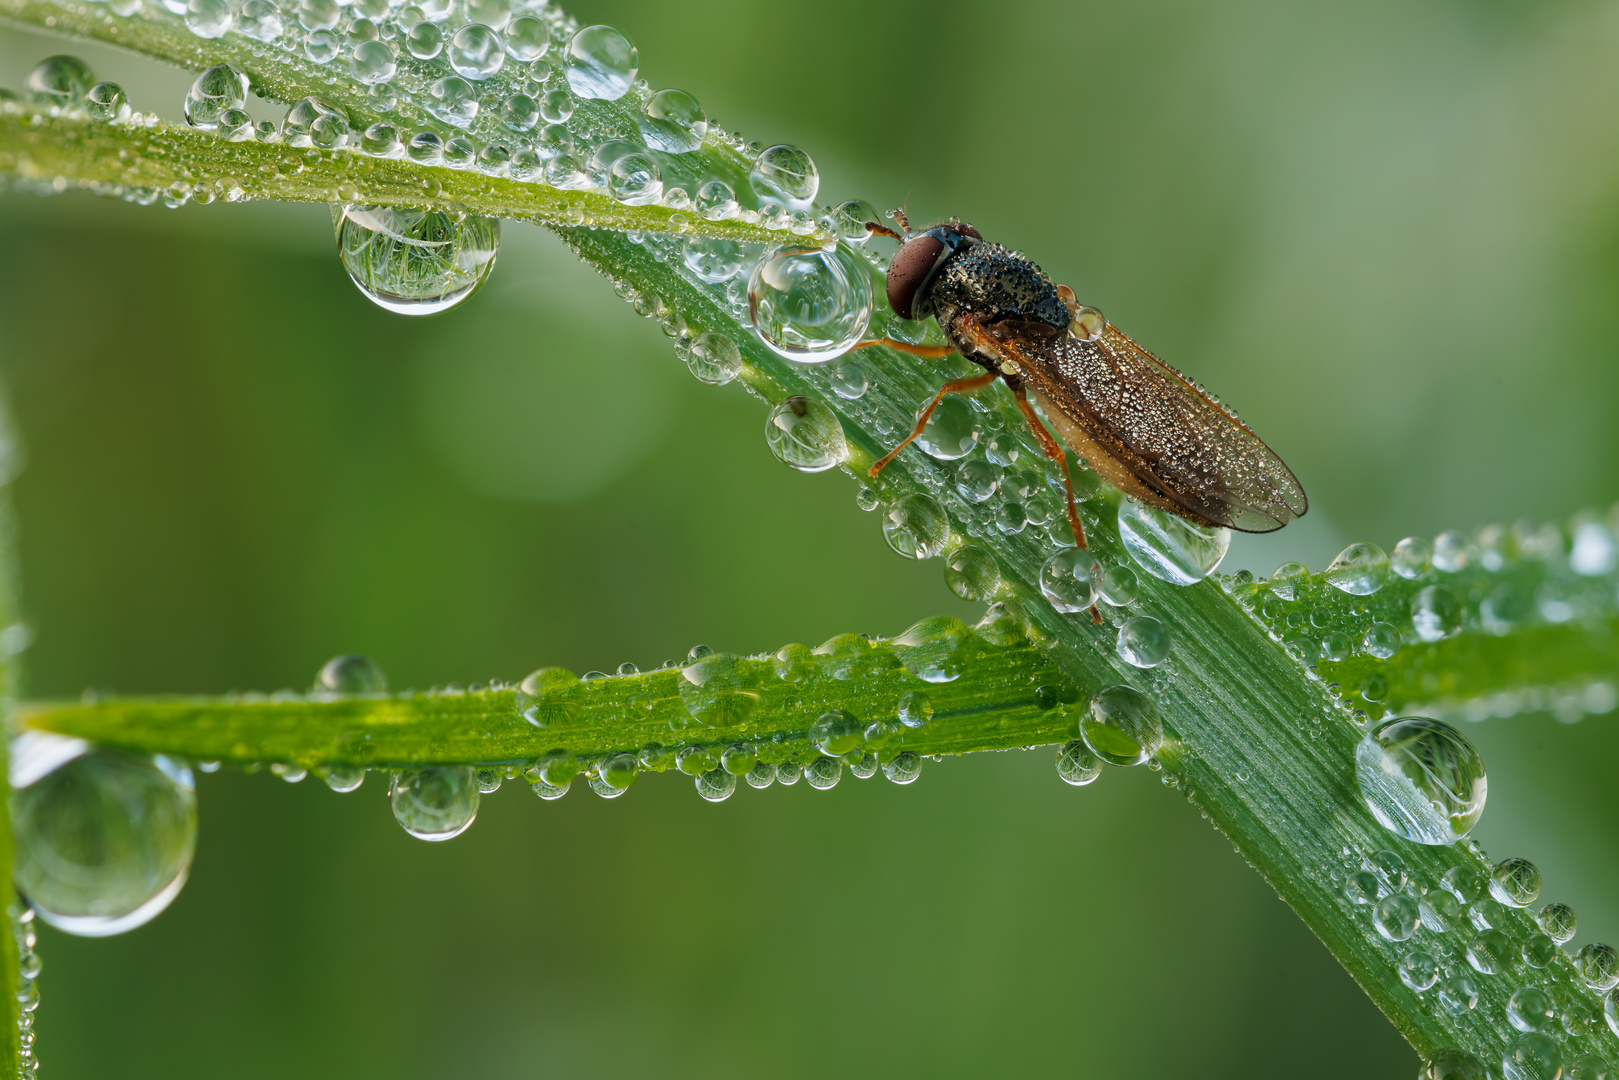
(1421, 779)
(1143, 641)
(714, 359)
(342, 778)
(1122, 726)
(103, 839)
(1170, 547)
(916, 527)
(716, 785)
(435, 803)
(810, 306)
(1076, 764)
(600, 63)
(614, 775)
(805, 434)
(416, 262)
(904, 767)
(823, 773)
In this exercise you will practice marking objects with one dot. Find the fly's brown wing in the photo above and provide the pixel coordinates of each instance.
(1160, 428)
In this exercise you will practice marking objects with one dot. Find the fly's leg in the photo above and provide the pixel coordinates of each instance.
(957, 386)
(883, 230)
(926, 352)
(1054, 451)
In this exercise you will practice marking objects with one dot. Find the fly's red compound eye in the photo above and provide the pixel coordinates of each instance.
(910, 268)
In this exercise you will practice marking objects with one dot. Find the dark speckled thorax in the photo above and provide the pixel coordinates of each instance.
(994, 281)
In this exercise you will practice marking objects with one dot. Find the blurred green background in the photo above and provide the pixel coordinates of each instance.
(1388, 233)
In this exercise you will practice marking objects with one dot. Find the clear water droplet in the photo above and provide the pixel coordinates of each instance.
(1411, 558)
(850, 380)
(1538, 950)
(673, 121)
(713, 260)
(1068, 580)
(849, 220)
(972, 573)
(614, 775)
(416, 262)
(904, 767)
(1452, 552)
(549, 697)
(951, 432)
(436, 803)
(716, 201)
(1396, 916)
(1122, 726)
(916, 527)
(1490, 952)
(1362, 887)
(810, 306)
(719, 690)
(106, 101)
(761, 775)
(739, 760)
(977, 480)
(1436, 613)
(322, 46)
(1421, 779)
(1360, 569)
(493, 13)
(318, 14)
(351, 673)
(1169, 547)
(1382, 640)
(600, 63)
(794, 663)
(1530, 1009)
(635, 180)
(937, 649)
(1441, 911)
(1076, 764)
(1515, 882)
(1087, 323)
(1290, 580)
(714, 359)
(209, 18)
(260, 20)
(424, 41)
(1533, 1056)
(104, 840)
(914, 709)
(62, 81)
(823, 773)
(1419, 970)
(806, 434)
(1465, 883)
(1119, 586)
(313, 122)
(1598, 966)
(1143, 641)
(716, 785)
(1589, 1067)
(342, 778)
(1453, 1064)
(1559, 922)
(787, 174)
(837, 733)
(527, 38)
(373, 62)
(1458, 994)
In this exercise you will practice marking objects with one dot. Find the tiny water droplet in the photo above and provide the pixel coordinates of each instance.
(436, 803)
(342, 778)
(351, 674)
(1515, 882)
(315, 122)
(1170, 547)
(714, 359)
(209, 18)
(1421, 779)
(1458, 994)
(527, 38)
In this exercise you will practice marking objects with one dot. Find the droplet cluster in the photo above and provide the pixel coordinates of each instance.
(28, 968)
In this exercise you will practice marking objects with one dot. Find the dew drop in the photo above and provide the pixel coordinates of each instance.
(1490, 952)
(209, 18)
(215, 91)
(1441, 912)
(1412, 557)
(488, 780)
(1598, 966)
(1120, 586)
(1421, 779)
(937, 649)
(600, 63)
(714, 359)
(1515, 882)
(716, 785)
(716, 201)
(436, 803)
(1559, 922)
(1169, 547)
(260, 20)
(794, 663)
(1360, 570)
(673, 121)
(823, 773)
(915, 710)
(786, 173)
(1419, 970)
(318, 14)
(424, 41)
(351, 674)
(713, 260)
(1436, 613)
(1451, 552)
(1532, 1056)
(1465, 883)
(806, 434)
(972, 573)
(849, 220)
(103, 839)
(1087, 324)
(1121, 726)
(1076, 764)
(977, 480)
(313, 122)
(416, 262)
(62, 81)
(1290, 580)
(837, 733)
(762, 775)
(1396, 916)
(1382, 640)
(916, 527)
(1362, 887)
(1068, 580)
(810, 306)
(615, 774)
(106, 101)
(373, 62)
(493, 13)
(719, 690)
(789, 773)
(904, 767)
(1143, 641)
(951, 432)
(1589, 1067)
(342, 778)
(1538, 950)
(1530, 1009)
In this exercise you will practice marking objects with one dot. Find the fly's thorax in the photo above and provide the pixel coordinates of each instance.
(994, 281)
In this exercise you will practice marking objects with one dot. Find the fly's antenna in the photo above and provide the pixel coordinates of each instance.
(883, 230)
(899, 216)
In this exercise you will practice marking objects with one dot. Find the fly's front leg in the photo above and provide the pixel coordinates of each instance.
(956, 386)
(1054, 451)
(926, 352)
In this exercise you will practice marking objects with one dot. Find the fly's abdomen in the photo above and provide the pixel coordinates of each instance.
(991, 280)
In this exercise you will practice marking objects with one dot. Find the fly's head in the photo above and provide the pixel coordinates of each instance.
(917, 262)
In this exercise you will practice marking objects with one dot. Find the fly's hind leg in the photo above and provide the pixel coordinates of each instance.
(1054, 451)
(926, 352)
(956, 386)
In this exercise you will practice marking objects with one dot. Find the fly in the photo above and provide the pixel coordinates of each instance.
(1138, 422)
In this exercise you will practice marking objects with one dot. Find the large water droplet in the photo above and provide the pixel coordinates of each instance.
(1360, 569)
(313, 122)
(937, 649)
(673, 121)
(103, 839)
(916, 527)
(1143, 641)
(373, 62)
(635, 179)
(1559, 922)
(1598, 966)
(713, 260)
(260, 20)
(600, 63)
(549, 697)
(1076, 764)
(787, 174)
(1170, 547)
(424, 41)
(1068, 580)
(715, 359)
(351, 674)
(972, 573)
(719, 690)
(1121, 726)
(209, 18)
(1436, 613)
(527, 38)
(1530, 1009)
(1515, 882)
(416, 262)
(59, 80)
(436, 803)
(837, 733)
(1533, 1056)
(1421, 779)
(810, 306)
(107, 101)
(805, 434)
(951, 432)
(1452, 1064)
